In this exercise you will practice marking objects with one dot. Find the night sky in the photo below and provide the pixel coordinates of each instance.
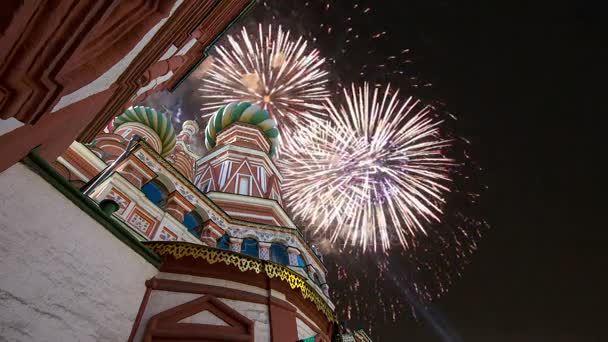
(524, 81)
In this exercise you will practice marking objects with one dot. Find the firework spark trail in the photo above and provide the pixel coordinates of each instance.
(281, 75)
(375, 171)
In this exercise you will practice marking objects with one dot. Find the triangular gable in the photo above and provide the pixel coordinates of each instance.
(200, 177)
(215, 176)
(204, 317)
(270, 183)
(169, 324)
(273, 184)
(244, 165)
(206, 175)
(274, 187)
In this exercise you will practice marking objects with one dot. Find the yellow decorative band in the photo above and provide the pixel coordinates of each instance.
(243, 263)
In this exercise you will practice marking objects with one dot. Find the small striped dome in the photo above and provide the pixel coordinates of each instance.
(244, 112)
(153, 119)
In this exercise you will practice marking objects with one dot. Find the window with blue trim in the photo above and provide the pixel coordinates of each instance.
(156, 192)
(278, 253)
(192, 220)
(250, 247)
(224, 242)
(301, 262)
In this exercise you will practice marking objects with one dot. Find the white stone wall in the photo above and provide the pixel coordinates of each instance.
(160, 301)
(63, 277)
(258, 313)
(304, 331)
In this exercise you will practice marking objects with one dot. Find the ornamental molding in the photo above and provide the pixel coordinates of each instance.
(241, 151)
(233, 227)
(244, 263)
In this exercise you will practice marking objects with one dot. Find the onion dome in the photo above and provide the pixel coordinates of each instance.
(244, 112)
(154, 120)
(190, 126)
(189, 129)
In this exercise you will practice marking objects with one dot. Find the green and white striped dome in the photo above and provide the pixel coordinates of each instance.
(153, 119)
(244, 112)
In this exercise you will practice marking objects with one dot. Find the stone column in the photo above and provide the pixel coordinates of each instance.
(264, 250)
(293, 256)
(136, 172)
(177, 206)
(210, 233)
(235, 244)
(133, 175)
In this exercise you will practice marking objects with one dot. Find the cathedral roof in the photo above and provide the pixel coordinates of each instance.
(153, 119)
(242, 112)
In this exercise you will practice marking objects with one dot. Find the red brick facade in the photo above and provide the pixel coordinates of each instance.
(52, 49)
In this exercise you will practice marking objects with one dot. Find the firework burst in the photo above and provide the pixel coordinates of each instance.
(271, 69)
(376, 172)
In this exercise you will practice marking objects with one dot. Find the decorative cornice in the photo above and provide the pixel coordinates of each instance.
(244, 263)
(262, 202)
(142, 145)
(233, 129)
(179, 198)
(214, 152)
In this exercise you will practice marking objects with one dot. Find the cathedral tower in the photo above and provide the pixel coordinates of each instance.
(233, 263)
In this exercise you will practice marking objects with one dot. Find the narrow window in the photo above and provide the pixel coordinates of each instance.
(192, 220)
(244, 185)
(223, 242)
(224, 172)
(262, 176)
(301, 262)
(278, 253)
(250, 247)
(156, 192)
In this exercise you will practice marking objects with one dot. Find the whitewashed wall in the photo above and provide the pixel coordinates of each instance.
(304, 331)
(63, 277)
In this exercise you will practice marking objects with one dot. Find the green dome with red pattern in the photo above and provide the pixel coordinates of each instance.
(244, 112)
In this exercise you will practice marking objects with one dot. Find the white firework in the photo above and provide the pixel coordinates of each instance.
(272, 70)
(376, 170)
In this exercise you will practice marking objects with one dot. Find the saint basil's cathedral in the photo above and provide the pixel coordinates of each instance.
(113, 226)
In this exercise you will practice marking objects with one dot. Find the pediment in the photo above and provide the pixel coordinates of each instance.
(204, 318)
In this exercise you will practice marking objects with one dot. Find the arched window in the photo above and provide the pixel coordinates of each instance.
(156, 192)
(278, 253)
(224, 242)
(301, 261)
(250, 247)
(192, 220)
